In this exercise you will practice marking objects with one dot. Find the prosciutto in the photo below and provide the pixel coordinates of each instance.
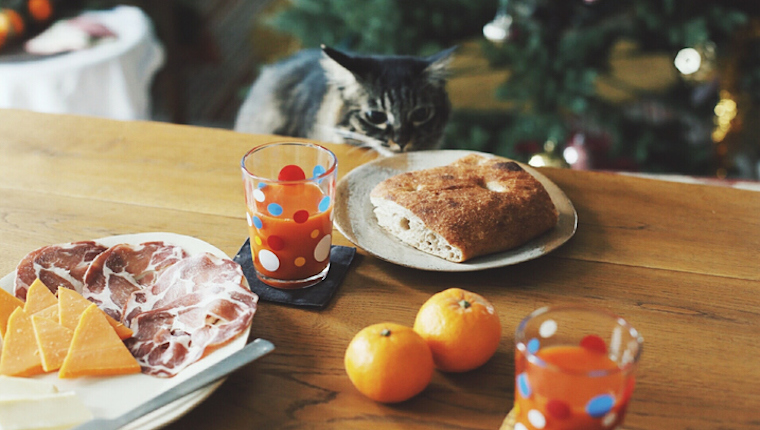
(196, 305)
(123, 269)
(61, 265)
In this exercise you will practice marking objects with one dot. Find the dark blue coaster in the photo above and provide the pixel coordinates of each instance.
(317, 296)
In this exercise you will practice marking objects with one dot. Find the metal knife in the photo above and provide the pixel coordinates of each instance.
(256, 349)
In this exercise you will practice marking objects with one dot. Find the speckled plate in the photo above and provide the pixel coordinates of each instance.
(354, 216)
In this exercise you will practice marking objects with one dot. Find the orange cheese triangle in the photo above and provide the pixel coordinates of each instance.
(53, 342)
(20, 356)
(50, 312)
(8, 303)
(70, 307)
(38, 297)
(96, 349)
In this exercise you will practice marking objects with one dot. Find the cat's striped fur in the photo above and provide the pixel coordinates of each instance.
(390, 103)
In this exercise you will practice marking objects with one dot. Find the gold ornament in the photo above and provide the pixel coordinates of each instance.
(548, 158)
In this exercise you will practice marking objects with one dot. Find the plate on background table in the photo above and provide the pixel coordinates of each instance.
(114, 395)
(354, 216)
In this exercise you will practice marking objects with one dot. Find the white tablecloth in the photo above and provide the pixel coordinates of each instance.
(110, 80)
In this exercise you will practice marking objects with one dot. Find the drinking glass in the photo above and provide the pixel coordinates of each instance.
(575, 369)
(289, 195)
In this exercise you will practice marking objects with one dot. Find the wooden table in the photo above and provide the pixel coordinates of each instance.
(680, 262)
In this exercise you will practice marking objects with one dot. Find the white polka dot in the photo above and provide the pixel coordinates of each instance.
(269, 260)
(322, 251)
(537, 419)
(520, 426)
(609, 419)
(548, 328)
(258, 195)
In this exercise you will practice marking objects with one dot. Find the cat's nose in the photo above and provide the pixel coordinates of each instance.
(399, 146)
(402, 139)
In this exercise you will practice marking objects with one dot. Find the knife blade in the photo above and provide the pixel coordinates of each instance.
(252, 351)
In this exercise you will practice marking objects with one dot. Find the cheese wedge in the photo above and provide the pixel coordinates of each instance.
(96, 349)
(20, 356)
(50, 312)
(8, 303)
(53, 341)
(44, 412)
(71, 305)
(12, 387)
(38, 297)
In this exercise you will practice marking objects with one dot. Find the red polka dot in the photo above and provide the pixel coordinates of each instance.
(594, 343)
(558, 409)
(291, 172)
(275, 242)
(301, 216)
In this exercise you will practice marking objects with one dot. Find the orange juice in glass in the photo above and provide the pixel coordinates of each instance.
(289, 194)
(574, 369)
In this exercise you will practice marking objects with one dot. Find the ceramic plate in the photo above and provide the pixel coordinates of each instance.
(109, 397)
(354, 216)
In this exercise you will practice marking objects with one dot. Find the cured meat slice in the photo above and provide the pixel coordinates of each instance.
(61, 265)
(122, 269)
(196, 305)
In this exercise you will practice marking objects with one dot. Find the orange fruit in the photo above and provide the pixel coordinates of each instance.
(461, 328)
(17, 23)
(389, 362)
(40, 10)
(5, 26)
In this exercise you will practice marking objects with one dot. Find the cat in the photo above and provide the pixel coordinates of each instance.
(392, 104)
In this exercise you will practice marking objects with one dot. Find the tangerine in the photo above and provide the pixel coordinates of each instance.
(461, 328)
(40, 10)
(389, 362)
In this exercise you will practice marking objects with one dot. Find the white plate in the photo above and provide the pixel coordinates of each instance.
(354, 216)
(109, 397)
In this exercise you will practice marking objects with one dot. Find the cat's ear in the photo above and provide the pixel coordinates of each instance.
(437, 69)
(338, 66)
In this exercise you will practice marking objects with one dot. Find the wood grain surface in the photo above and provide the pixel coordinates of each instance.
(681, 262)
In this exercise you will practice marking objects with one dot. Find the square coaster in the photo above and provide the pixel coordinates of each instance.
(316, 296)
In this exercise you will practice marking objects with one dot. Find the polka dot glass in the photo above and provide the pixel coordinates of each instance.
(574, 369)
(289, 195)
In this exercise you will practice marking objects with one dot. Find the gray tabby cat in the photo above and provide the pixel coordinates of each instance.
(389, 103)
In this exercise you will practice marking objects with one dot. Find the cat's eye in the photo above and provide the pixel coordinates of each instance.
(421, 115)
(376, 117)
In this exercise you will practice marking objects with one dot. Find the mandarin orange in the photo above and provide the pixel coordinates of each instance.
(40, 10)
(389, 362)
(461, 327)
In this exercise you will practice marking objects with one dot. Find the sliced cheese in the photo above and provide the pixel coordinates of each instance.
(20, 356)
(47, 411)
(50, 312)
(71, 305)
(96, 349)
(12, 387)
(38, 297)
(8, 303)
(53, 342)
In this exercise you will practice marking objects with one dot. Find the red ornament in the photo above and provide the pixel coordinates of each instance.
(594, 343)
(291, 172)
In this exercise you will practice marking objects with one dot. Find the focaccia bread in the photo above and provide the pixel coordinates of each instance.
(475, 206)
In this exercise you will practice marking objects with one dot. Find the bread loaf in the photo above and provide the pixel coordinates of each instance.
(475, 206)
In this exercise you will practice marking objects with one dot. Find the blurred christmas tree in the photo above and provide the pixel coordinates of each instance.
(558, 53)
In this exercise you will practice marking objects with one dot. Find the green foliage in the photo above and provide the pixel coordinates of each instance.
(418, 27)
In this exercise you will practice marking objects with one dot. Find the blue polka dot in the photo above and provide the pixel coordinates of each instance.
(261, 185)
(274, 209)
(257, 222)
(324, 204)
(533, 345)
(523, 386)
(600, 405)
(318, 170)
